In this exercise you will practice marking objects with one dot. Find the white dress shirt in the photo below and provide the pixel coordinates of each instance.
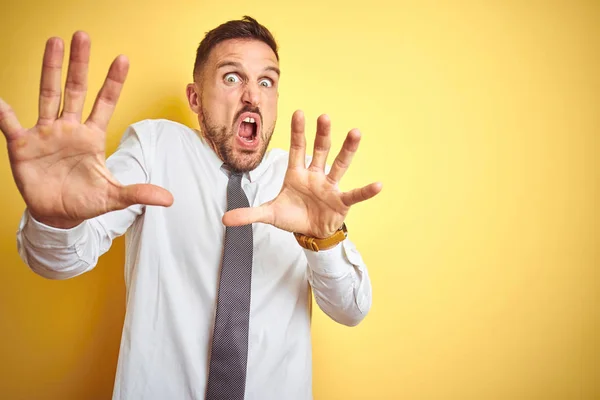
(172, 264)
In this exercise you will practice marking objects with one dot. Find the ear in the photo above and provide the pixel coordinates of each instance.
(193, 98)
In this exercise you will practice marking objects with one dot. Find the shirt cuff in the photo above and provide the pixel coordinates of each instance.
(44, 236)
(334, 262)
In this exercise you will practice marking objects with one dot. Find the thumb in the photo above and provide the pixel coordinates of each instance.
(248, 215)
(146, 194)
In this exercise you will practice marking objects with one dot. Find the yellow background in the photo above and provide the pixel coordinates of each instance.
(482, 120)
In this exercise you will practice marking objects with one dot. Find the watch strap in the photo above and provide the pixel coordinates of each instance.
(316, 244)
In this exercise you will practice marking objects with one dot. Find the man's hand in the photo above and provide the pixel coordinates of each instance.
(59, 164)
(310, 201)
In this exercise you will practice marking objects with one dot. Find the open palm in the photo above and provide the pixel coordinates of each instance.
(59, 164)
(310, 201)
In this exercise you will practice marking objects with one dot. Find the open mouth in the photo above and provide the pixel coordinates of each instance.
(248, 129)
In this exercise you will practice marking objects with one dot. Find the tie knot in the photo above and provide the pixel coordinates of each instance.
(235, 178)
(230, 172)
(236, 198)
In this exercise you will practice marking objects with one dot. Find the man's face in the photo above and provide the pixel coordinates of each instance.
(237, 93)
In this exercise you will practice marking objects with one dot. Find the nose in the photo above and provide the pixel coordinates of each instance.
(251, 95)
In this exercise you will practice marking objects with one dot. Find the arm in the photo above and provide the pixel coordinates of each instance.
(310, 203)
(75, 207)
(56, 253)
(340, 283)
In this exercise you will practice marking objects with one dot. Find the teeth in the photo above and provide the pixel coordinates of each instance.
(250, 120)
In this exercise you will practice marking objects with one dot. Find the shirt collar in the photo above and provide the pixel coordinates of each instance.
(256, 173)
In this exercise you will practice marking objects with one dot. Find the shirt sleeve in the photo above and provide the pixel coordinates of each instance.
(340, 282)
(56, 253)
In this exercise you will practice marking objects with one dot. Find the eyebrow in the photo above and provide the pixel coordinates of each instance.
(239, 66)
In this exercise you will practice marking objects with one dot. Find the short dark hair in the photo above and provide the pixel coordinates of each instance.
(246, 28)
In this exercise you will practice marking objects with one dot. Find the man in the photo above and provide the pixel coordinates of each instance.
(223, 239)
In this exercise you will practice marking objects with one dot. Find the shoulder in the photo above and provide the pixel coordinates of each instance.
(163, 134)
(152, 138)
(278, 159)
(157, 128)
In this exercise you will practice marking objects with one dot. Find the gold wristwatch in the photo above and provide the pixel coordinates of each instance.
(316, 244)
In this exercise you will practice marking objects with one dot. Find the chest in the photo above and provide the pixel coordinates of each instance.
(195, 219)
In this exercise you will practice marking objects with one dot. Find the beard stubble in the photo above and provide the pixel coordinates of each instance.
(221, 138)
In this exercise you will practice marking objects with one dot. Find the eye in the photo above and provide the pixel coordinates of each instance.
(265, 83)
(232, 78)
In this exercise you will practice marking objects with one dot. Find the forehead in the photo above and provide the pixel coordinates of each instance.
(248, 52)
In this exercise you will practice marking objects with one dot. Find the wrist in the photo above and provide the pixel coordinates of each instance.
(58, 223)
(321, 244)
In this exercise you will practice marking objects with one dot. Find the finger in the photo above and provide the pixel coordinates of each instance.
(248, 215)
(142, 193)
(76, 86)
(298, 142)
(109, 93)
(344, 158)
(365, 193)
(9, 124)
(50, 92)
(322, 143)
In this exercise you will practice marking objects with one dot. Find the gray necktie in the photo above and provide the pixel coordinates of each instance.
(228, 360)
